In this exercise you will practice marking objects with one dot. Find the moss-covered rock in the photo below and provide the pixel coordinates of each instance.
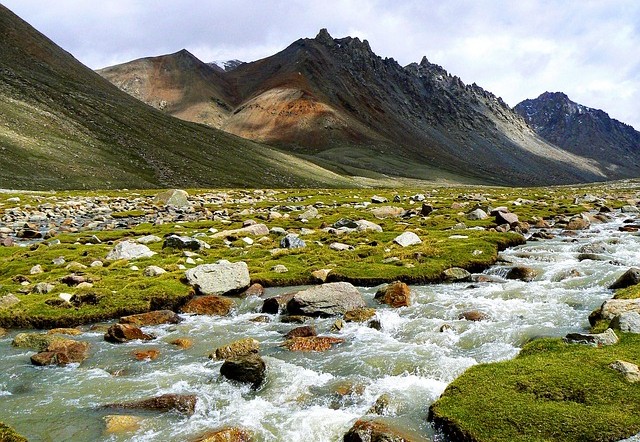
(8, 434)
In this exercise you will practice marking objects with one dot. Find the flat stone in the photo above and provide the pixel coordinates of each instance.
(608, 337)
(334, 298)
(241, 347)
(340, 247)
(129, 250)
(182, 403)
(407, 239)
(252, 230)
(152, 318)
(117, 424)
(220, 278)
(211, 305)
(311, 343)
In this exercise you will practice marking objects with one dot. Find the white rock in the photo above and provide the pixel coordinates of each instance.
(279, 268)
(96, 264)
(148, 239)
(36, 269)
(407, 239)
(154, 271)
(129, 250)
(190, 261)
(65, 296)
(219, 278)
(134, 268)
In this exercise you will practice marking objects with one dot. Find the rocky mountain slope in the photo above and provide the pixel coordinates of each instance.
(64, 126)
(339, 104)
(584, 131)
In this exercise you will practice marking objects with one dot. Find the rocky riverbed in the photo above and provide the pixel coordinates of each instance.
(305, 363)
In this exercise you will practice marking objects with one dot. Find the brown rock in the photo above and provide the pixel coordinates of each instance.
(302, 332)
(396, 294)
(64, 331)
(62, 352)
(119, 333)
(146, 355)
(311, 343)
(321, 275)
(249, 369)
(379, 431)
(578, 223)
(226, 435)
(183, 343)
(360, 314)
(526, 274)
(183, 403)
(241, 347)
(152, 318)
(3, 332)
(208, 305)
(253, 290)
(116, 424)
(473, 315)
(73, 279)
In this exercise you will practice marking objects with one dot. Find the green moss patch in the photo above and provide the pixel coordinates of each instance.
(551, 392)
(8, 434)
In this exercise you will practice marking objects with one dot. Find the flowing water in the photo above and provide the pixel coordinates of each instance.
(318, 396)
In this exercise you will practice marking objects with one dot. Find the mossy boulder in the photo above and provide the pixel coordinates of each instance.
(8, 434)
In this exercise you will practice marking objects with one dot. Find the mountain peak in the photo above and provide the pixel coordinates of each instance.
(324, 37)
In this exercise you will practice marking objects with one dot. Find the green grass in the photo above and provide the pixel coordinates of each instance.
(551, 392)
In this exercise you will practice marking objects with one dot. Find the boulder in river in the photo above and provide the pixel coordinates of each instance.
(208, 305)
(241, 347)
(627, 279)
(379, 431)
(473, 315)
(526, 274)
(129, 250)
(276, 304)
(249, 368)
(303, 331)
(397, 294)
(220, 278)
(334, 298)
(121, 423)
(119, 333)
(62, 352)
(456, 274)
(311, 343)
(152, 318)
(182, 403)
(362, 314)
(231, 434)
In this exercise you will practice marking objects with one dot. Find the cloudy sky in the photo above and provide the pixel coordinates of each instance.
(589, 49)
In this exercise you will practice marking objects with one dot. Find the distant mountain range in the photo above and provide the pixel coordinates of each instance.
(322, 112)
(581, 130)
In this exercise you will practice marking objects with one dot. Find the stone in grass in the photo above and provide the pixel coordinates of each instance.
(154, 271)
(320, 275)
(230, 434)
(8, 301)
(250, 369)
(279, 268)
(407, 239)
(119, 333)
(241, 347)
(608, 337)
(208, 305)
(292, 241)
(129, 250)
(172, 197)
(182, 403)
(334, 298)
(628, 322)
(630, 371)
(184, 242)
(220, 278)
(477, 214)
(149, 239)
(397, 294)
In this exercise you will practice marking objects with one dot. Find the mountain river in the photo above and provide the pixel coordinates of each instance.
(318, 396)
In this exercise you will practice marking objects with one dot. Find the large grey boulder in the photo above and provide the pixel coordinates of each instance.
(614, 307)
(628, 322)
(506, 218)
(334, 298)
(628, 278)
(172, 197)
(130, 250)
(407, 239)
(220, 278)
(477, 214)
(252, 230)
(364, 226)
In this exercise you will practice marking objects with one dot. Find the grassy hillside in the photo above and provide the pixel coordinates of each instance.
(64, 126)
